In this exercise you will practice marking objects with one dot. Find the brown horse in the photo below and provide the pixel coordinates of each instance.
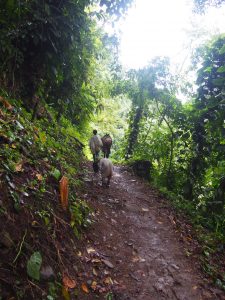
(107, 143)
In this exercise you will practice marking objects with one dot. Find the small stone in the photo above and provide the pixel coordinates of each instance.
(89, 282)
(47, 273)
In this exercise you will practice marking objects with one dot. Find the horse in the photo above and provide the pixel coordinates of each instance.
(107, 143)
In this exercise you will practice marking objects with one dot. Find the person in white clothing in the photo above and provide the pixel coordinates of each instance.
(95, 144)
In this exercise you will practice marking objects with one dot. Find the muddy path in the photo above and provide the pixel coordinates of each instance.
(145, 256)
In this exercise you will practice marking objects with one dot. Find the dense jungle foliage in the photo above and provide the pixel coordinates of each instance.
(57, 60)
(184, 142)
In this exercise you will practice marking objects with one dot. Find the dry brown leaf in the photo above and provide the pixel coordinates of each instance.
(68, 283)
(36, 129)
(90, 250)
(39, 177)
(18, 167)
(94, 285)
(94, 272)
(138, 259)
(95, 260)
(108, 280)
(144, 209)
(6, 104)
(79, 254)
(34, 223)
(85, 288)
(63, 187)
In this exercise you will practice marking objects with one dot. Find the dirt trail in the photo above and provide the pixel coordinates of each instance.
(134, 231)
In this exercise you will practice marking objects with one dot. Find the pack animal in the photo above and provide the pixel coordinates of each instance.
(106, 171)
(107, 143)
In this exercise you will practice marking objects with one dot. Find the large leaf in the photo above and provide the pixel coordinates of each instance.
(221, 69)
(34, 265)
(222, 50)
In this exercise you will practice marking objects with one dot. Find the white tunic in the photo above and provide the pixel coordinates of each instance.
(95, 144)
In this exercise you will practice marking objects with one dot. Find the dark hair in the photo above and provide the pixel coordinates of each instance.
(95, 131)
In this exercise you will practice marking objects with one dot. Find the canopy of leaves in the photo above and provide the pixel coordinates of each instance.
(48, 50)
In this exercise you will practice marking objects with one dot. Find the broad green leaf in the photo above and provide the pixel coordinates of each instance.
(34, 265)
(208, 70)
(221, 69)
(222, 50)
(56, 173)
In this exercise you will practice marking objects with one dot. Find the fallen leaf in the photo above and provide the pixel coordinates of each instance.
(6, 104)
(90, 250)
(106, 272)
(195, 287)
(25, 194)
(68, 283)
(13, 146)
(39, 177)
(79, 254)
(34, 223)
(18, 167)
(63, 187)
(36, 129)
(144, 209)
(108, 280)
(94, 272)
(108, 263)
(138, 259)
(94, 285)
(95, 260)
(85, 288)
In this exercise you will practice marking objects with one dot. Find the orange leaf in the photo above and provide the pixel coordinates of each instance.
(68, 282)
(63, 187)
(85, 288)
